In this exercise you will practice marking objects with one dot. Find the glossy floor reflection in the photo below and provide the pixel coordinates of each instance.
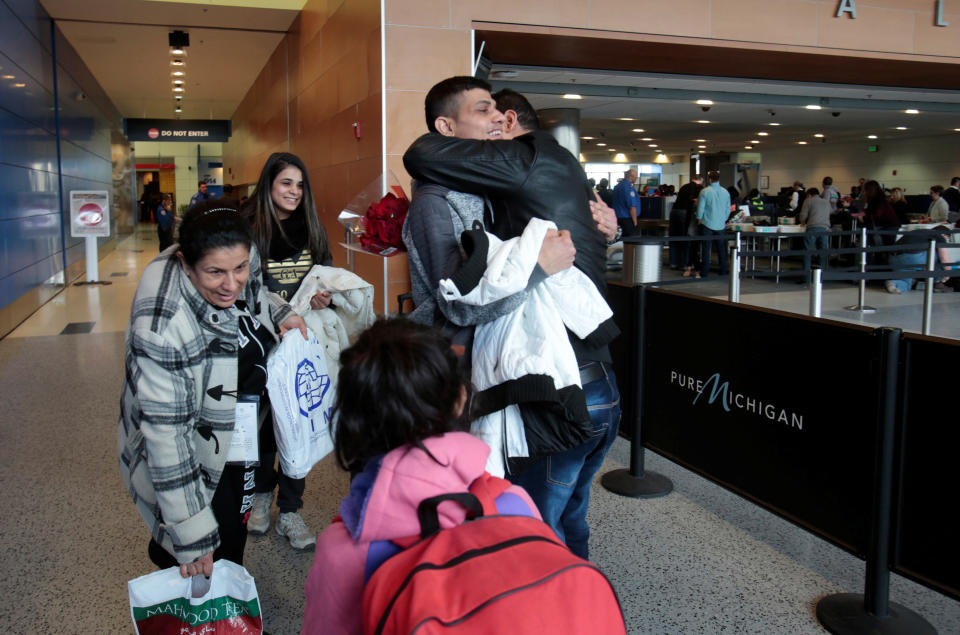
(701, 560)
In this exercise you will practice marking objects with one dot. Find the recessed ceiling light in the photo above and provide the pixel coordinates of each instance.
(177, 73)
(638, 130)
(748, 147)
(8, 77)
(652, 145)
(176, 62)
(611, 149)
(701, 121)
(588, 138)
(871, 136)
(647, 139)
(812, 107)
(901, 127)
(773, 123)
(912, 111)
(178, 89)
(178, 96)
(763, 134)
(572, 96)
(178, 82)
(819, 135)
(19, 85)
(601, 144)
(956, 129)
(702, 147)
(704, 102)
(178, 109)
(754, 141)
(802, 143)
(625, 119)
(176, 51)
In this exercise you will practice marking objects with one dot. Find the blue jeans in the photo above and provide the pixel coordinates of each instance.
(559, 484)
(815, 238)
(707, 245)
(906, 262)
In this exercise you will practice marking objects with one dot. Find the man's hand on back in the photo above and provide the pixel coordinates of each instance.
(604, 217)
(557, 252)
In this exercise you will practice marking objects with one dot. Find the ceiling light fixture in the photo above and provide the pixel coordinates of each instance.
(19, 85)
(176, 62)
(177, 51)
(801, 143)
(625, 119)
(653, 145)
(620, 158)
(177, 73)
(588, 138)
(647, 139)
(178, 89)
(702, 147)
(773, 123)
(704, 102)
(661, 158)
(701, 121)
(601, 144)
(178, 82)
(754, 141)
(901, 127)
(818, 135)
(813, 107)
(748, 147)
(639, 130)
(912, 111)
(871, 136)
(8, 77)
(572, 96)
(763, 134)
(178, 109)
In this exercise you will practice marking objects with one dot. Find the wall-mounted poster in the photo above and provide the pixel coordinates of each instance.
(89, 213)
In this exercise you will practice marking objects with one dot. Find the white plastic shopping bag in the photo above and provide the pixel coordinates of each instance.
(163, 603)
(301, 396)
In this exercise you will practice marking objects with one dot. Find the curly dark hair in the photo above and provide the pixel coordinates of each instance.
(399, 384)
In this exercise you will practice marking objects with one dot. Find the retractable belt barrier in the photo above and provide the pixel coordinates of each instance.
(872, 475)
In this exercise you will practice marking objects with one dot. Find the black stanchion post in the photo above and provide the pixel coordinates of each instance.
(637, 482)
(872, 612)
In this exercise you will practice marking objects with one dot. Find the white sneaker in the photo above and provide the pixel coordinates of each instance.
(891, 288)
(291, 525)
(259, 521)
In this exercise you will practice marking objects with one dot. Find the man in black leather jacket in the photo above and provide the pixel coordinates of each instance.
(532, 176)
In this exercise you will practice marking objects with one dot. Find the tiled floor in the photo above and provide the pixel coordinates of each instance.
(701, 560)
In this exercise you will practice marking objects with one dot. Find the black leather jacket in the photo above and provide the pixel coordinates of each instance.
(531, 176)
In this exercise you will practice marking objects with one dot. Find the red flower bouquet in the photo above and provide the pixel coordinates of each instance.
(383, 223)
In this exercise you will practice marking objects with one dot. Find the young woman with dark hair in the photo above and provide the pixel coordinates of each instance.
(200, 328)
(287, 230)
(399, 412)
(880, 213)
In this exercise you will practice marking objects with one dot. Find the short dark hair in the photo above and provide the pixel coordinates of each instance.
(713, 175)
(209, 225)
(696, 177)
(827, 180)
(443, 100)
(955, 180)
(508, 99)
(398, 385)
(199, 183)
(936, 188)
(813, 192)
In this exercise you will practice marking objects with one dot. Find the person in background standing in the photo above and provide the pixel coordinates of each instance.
(201, 194)
(952, 195)
(900, 205)
(165, 221)
(713, 208)
(626, 202)
(287, 231)
(606, 194)
(938, 207)
(815, 214)
(683, 208)
(830, 193)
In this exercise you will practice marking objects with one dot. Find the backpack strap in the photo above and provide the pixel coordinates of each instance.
(427, 510)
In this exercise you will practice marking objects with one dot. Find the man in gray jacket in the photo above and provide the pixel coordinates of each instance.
(815, 214)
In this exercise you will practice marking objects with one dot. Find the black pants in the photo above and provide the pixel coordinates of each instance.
(628, 226)
(231, 503)
(166, 236)
(290, 490)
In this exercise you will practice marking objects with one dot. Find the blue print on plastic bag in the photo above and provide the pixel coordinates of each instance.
(311, 387)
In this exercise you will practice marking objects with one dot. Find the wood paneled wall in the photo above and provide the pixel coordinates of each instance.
(322, 79)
